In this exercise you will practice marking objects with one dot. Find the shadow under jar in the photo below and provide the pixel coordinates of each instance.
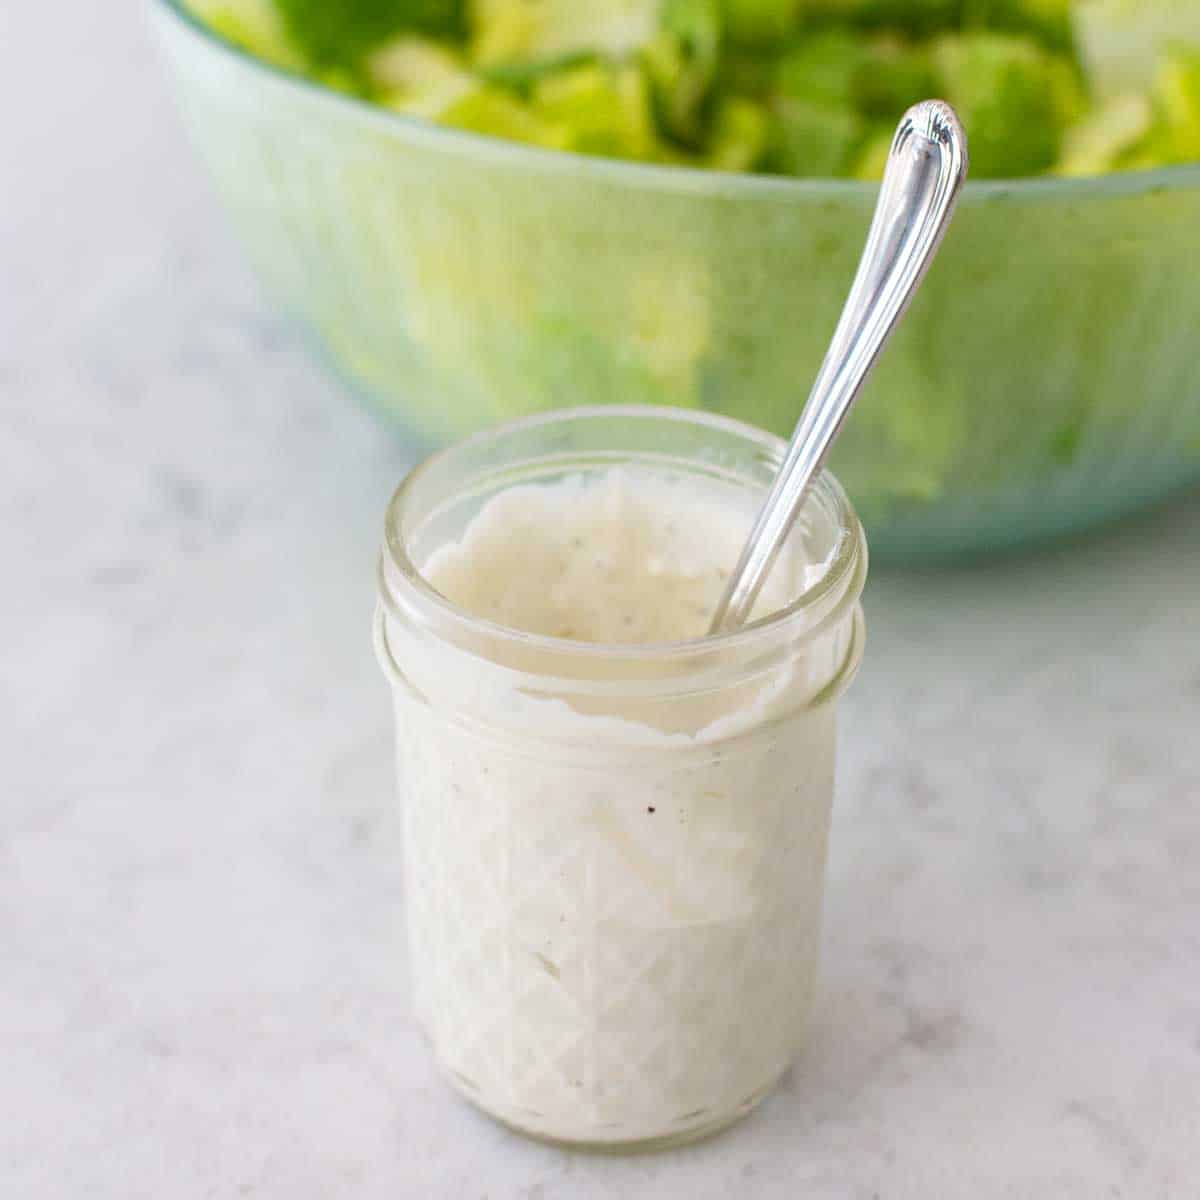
(614, 854)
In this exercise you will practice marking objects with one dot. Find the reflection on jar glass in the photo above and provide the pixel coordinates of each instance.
(615, 850)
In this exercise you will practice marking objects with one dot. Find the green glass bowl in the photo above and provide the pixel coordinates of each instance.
(1047, 377)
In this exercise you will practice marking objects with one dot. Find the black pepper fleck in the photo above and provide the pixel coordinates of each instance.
(649, 807)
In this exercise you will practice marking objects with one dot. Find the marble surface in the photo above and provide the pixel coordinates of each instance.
(202, 972)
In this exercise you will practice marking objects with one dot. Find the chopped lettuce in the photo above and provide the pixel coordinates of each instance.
(1107, 135)
(256, 26)
(410, 65)
(873, 154)
(1122, 42)
(601, 110)
(798, 87)
(740, 135)
(811, 139)
(825, 68)
(897, 74)
(1014, 98)
(760, 23)
(339, 34)
(530, 30)
(482, 108)
(876, 76)
(1178, 90)
(916, 18)
(681, 61)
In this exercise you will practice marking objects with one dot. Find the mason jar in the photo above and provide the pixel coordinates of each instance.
(614, 854)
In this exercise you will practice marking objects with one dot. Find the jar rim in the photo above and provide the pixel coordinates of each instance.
(837, 587)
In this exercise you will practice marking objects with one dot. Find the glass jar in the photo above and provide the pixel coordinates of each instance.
(614, 855)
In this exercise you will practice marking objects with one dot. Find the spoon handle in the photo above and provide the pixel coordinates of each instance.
(925, 171)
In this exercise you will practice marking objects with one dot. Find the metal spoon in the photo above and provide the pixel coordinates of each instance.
(925, 171)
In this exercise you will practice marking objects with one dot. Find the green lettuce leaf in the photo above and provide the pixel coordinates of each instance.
(340, 32)
(1015, 100)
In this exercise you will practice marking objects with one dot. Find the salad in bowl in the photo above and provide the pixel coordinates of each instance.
(483, 208)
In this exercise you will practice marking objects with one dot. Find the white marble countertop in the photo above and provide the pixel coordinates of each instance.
(202, 977)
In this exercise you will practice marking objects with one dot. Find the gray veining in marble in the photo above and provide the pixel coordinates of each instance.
(202, 972)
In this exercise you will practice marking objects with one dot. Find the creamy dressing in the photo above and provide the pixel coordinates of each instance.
(613, 907)
(631, 557)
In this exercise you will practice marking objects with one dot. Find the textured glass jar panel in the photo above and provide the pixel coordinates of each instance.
(622, 950)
